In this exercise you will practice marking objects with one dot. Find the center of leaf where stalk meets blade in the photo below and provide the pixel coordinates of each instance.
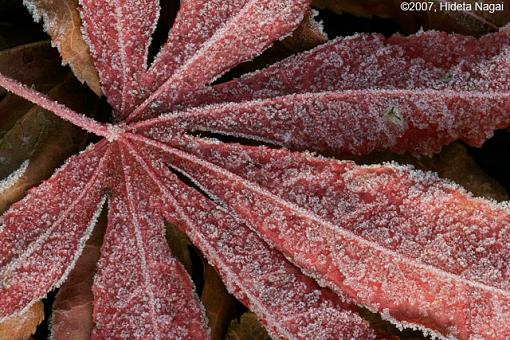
(114, 131)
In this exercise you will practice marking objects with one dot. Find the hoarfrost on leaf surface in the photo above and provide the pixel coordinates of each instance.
(299, 239)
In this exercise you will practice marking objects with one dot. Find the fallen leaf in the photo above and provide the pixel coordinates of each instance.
(366, 8)
(247, 328)
(62, 22)
(22, 326)
(308, 34)
(36, 63)
(72, 309)
(219, 305)
(178, 243)
(472, 22)
(275, 205)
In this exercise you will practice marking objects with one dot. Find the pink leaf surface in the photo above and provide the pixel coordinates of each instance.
(399, 241)
(355, 122)
(119, 34)
(256, 274)
(358, 62)
(140, 290)
(42, 235)
(230, 32)
(419, 111)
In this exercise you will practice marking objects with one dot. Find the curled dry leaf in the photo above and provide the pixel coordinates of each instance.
(247, 328)
(62, 22)
(307, 35)
(22, 326)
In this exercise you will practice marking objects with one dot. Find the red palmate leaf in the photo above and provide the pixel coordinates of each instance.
(42, 234)
(230, 32)
(259, 276)
(396, 240)
(119, 33)
(140, 289)
(404, 243)
(360, 62)
(370, 94)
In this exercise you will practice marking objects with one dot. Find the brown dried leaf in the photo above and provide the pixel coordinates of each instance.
(22, 327)
(247, 328)
(220, 306)
(26, 130)
(456, 164)
(307, 35)
(73, 306)
(474, 22)
(35, 63)
(44, 139)
(178, 243)
(62, 22)
(361, 8)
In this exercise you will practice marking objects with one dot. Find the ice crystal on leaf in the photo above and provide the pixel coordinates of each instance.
(299, 239)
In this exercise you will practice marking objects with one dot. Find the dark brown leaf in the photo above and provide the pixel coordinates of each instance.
(220, 306)
(72, 309)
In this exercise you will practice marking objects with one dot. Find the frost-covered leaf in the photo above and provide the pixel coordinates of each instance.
(454, 162)
(399, 241)
(42, 235)
(297, 238)
(118, 33)
(140, 289)
(62, 22)
(398, 102)
(230, 32)
(260, 277)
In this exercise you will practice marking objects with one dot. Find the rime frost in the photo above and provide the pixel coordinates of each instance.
(299, 239)
(10, 180)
